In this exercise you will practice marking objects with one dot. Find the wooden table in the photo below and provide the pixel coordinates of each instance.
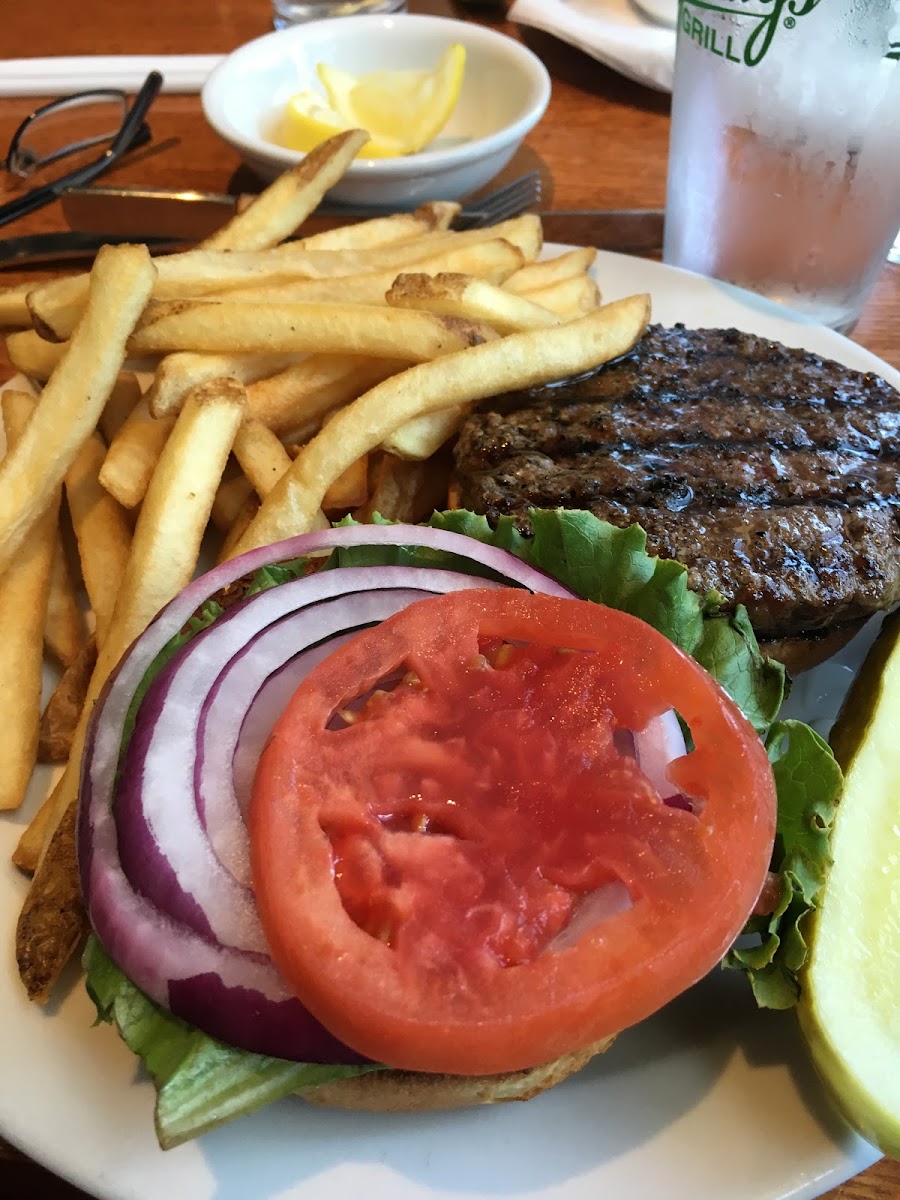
(602, 144)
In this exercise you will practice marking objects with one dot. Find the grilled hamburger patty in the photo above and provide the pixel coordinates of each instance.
(771, 473)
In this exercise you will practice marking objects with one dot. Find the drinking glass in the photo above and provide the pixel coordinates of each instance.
(784, 171)
(292, 12)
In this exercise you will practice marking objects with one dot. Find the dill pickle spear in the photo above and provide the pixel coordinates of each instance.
(850, 1004)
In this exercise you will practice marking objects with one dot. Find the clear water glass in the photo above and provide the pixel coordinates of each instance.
(294, 12)
(784, 175)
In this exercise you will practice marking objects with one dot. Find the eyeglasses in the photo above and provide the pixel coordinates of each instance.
(45, 141)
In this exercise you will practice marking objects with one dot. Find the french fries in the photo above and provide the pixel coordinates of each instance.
(132, 456)
(382, 231)
(454, 294)
(285, 384)
(102, 530)
(24, 586)
(568, 298)
(32, 355)
(163, 558)
(177, 373)
(301, 395)
(73, 399)
(542, 274)
(518, 361)
(14, 307)
(122, 400)
(53, 921)
(406, 491)
(64, 627)
(277, 212)
(221, 325)
(59, 720)
(261, 455)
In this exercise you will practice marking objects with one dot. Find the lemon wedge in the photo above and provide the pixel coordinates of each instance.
(309, 119)
(398, 108)
(849, 1008)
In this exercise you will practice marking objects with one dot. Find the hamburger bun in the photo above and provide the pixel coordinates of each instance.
(805, 651)
(413, 1091)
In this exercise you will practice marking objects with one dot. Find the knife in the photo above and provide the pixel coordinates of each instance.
(172, 220)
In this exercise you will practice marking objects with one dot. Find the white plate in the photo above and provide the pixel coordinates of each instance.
(618, 33)
(710, 1098)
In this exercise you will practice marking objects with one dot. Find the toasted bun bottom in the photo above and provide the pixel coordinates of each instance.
(805, 652)
(412, 1091)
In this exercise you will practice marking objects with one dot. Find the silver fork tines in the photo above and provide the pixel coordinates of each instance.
(517, 196)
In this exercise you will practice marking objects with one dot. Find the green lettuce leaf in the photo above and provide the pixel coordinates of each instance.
(808, 780)
(200, 1082)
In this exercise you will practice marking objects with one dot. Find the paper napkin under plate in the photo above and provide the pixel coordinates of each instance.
(612, 31)
(61, 76)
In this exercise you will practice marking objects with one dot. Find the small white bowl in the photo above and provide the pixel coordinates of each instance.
(505, 92)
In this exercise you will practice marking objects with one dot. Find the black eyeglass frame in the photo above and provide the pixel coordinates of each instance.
(20, 160)
(133, 132)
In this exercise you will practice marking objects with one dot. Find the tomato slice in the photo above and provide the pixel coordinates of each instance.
(426, 874)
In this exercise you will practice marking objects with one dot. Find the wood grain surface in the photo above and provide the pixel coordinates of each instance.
(602, 143)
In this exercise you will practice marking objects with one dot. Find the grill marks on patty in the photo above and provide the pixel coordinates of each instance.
(771, 473)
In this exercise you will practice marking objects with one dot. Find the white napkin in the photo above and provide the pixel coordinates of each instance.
(59, 76)
(612, 31)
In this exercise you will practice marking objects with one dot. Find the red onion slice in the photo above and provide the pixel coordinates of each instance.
(165, 848)
(656, 746)
(232, 994)
(265, 709)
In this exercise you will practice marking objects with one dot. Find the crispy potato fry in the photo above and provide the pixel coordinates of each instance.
(406, 491)
(349, 490)
(163, 557)
(418, 439)
(494, 260)
(120, 405)
(32, 355)
(14, 312)
(102, 530)
(36, 834)
(231, 496)
(175, 510)
(520, 360)
(53, 921)
(458, 295)
(177, 373)
(286, 203)
(440, 214)
(220, 326)
(551, 270)
(24, 587)
(381, 231)
(300, 395)
(568, 298)
(75, 395)
(131, 459)
(524, 231)
(242, 519)
(261, 455)
(55, 307)
(64, 631)
(60, 716)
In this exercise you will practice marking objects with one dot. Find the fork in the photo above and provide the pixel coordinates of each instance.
(517, 196)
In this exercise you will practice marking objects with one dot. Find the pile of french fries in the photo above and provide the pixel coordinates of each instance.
(204, 403)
